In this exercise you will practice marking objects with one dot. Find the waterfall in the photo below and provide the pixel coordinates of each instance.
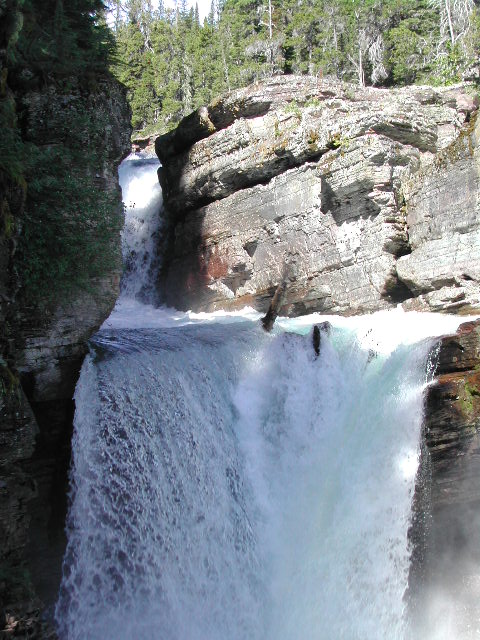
(227, 483)
(140, 236)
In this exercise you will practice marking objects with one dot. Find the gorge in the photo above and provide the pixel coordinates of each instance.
(225, 483)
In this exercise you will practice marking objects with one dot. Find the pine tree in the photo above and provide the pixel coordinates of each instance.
(172, 64)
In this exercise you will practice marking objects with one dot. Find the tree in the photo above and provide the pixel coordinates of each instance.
(172, 64)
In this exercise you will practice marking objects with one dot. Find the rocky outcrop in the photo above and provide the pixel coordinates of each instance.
(299, 176)
(451, 525)
(443, 219)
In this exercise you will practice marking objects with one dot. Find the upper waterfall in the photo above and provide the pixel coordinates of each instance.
(142, 197)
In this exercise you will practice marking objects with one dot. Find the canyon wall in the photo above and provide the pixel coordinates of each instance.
(446, 532)
(313, 182)
(51, 128)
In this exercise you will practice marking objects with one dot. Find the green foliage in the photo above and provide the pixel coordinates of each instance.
(292, 107)
(66, 226)
(70, 226)
(172, 64)
(59, 39)
(11, 146)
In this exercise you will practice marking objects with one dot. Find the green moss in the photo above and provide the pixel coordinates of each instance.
(292, 107)
(313, 102)
(466, 400)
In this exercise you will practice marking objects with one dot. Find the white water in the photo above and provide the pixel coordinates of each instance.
(229, 485)
(142, 197)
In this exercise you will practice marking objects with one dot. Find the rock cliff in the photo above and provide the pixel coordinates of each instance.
(42, 345)
(300, 179)
(356, 199)
(442, 206)
(450, 522)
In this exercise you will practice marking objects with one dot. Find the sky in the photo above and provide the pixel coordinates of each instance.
(203, 6)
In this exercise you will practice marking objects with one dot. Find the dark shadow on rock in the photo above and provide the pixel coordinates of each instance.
(351, 202)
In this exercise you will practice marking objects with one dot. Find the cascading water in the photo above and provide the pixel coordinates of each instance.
(228, 484)
(140, 236)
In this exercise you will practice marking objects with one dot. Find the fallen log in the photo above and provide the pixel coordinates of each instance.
(268, 320)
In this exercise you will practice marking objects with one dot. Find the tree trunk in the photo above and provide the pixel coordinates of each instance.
(361, 73)
(450, 23)
(270, 25)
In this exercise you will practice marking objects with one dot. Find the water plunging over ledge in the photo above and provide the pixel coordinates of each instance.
(227, 483)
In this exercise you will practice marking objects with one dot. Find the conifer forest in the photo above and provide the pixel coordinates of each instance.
(172, 63)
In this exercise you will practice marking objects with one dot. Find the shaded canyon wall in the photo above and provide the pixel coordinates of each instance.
(42, 345)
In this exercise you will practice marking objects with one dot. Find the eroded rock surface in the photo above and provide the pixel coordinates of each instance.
(299, 176)
(443, 220)
(451, 585)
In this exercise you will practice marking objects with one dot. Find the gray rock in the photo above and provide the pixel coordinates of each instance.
(254, 149)
(303, 175)
(334, 223)
(443, 219)
(448, 568)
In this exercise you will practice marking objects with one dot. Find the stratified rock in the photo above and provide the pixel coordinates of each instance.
(443, 220)
(301, 172)
(297, 123)
(452, 437)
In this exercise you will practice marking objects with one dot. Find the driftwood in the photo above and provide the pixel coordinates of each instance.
(316, 340)
(316, 337)
(269, 319)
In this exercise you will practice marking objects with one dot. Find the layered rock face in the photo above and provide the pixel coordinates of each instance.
(452, 489)
(443, 219)
(300, 179)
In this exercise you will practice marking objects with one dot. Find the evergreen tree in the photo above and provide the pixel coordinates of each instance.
(172, 64)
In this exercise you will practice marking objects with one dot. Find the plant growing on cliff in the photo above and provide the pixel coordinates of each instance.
(67, 232)
(70, 226)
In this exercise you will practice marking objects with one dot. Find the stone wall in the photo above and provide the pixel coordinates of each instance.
(443, 218)
(447, 593)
